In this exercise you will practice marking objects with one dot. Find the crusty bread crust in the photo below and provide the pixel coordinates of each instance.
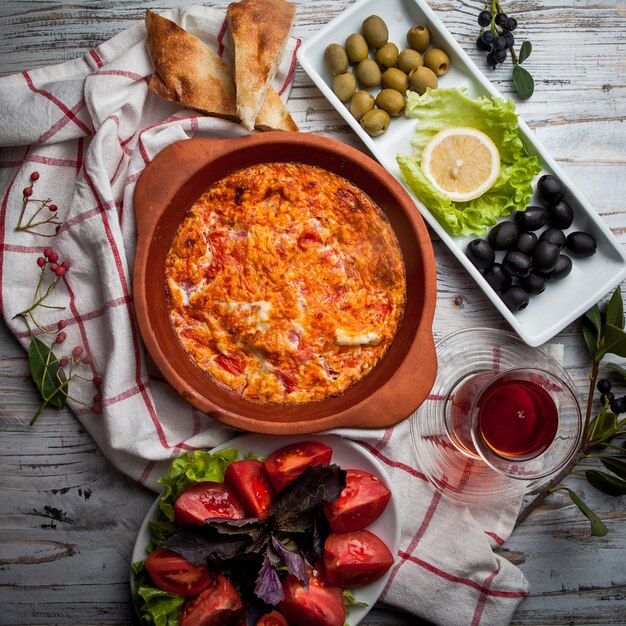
(188, 72)
(274, 114)
(259, 30)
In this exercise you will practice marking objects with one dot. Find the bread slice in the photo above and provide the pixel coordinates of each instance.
(188, 72)
(274, 114)
(259, 30)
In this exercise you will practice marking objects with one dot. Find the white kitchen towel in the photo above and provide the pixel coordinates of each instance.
(88, 128)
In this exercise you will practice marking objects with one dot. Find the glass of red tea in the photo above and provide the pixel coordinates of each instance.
(523, 422)
(502, 419)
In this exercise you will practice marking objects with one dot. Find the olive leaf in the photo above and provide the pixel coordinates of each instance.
(594, 316)
(614, 341)
(47, 373)
(590, 336)
(606, 483)
(523, 82)
(615, 465)
(615, 310)
(601, 426)
(598, 529)
(617, 368)
(524, 51)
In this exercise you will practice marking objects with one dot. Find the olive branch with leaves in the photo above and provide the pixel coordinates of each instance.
(603, 333)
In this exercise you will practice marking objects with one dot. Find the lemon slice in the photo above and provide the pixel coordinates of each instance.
(462, 163)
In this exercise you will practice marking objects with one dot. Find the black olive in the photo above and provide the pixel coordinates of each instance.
(516, 263)
(497, 278)
(533, 283)
(560, 215)
(480, 253)
(554, 235)
(526, 243)
(562, 268)
(581, 244)
(544, 256)
(533, 218)
(503, 236)
(550, 189)
(515, 298)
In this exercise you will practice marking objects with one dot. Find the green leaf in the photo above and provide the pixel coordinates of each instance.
(606, 483)
(602, 425)
(189, 469)
(615, 310)
(615, 465)
(524, 51)
(598, 529)
(47, 374)
(593, 315)
(614, 341)
(155, 606)
(590, 336)
(523, 82)
(617, 368)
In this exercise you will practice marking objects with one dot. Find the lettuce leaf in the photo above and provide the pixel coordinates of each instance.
(189, 469)
(442, 108)
(155, 607)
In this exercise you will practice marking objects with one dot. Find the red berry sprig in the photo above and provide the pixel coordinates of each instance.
(53, 374)
(34, 223)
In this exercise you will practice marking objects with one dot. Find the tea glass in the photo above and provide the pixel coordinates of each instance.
(501, 421)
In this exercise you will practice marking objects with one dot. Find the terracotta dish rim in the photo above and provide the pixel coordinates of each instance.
(168, 186)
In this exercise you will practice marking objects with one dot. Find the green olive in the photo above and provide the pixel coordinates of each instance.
(418, 38)
(362, 102)
(409, 59)
(344, 86)
(437, 60)
(387, 55)
(336, 59)
(391, 101)
(375, 31)
(396, 79)
(421, 78)
(356, 48)
(368, 73)
(375, 122)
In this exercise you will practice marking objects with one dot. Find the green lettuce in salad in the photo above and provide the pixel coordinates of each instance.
(444, 108)
(251, 551)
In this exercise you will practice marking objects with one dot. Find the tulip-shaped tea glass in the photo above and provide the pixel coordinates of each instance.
(502, 418)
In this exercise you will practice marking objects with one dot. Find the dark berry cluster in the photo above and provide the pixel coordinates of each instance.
(498, 38)
(617, 405)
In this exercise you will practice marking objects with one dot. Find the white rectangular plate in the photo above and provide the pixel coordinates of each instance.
(562, 302)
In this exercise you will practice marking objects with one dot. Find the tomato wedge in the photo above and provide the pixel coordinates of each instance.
(249, 480)
(218, 605)
(360, 503)
(321, 605)
(355, 559)
(272, 619)
(288, 462)
(204, 500)
(172, 573)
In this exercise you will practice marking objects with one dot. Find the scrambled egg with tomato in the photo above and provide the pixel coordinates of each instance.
(285, 283)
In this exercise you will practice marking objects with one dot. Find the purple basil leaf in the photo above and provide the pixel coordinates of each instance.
(198, 546)
(293, 561)
(268, 587)
(234, 526)
(311, 542)
(297, 506)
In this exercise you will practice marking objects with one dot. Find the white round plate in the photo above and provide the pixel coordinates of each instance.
(346, 454)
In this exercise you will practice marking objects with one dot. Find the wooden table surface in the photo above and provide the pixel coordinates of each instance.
(68, 519)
